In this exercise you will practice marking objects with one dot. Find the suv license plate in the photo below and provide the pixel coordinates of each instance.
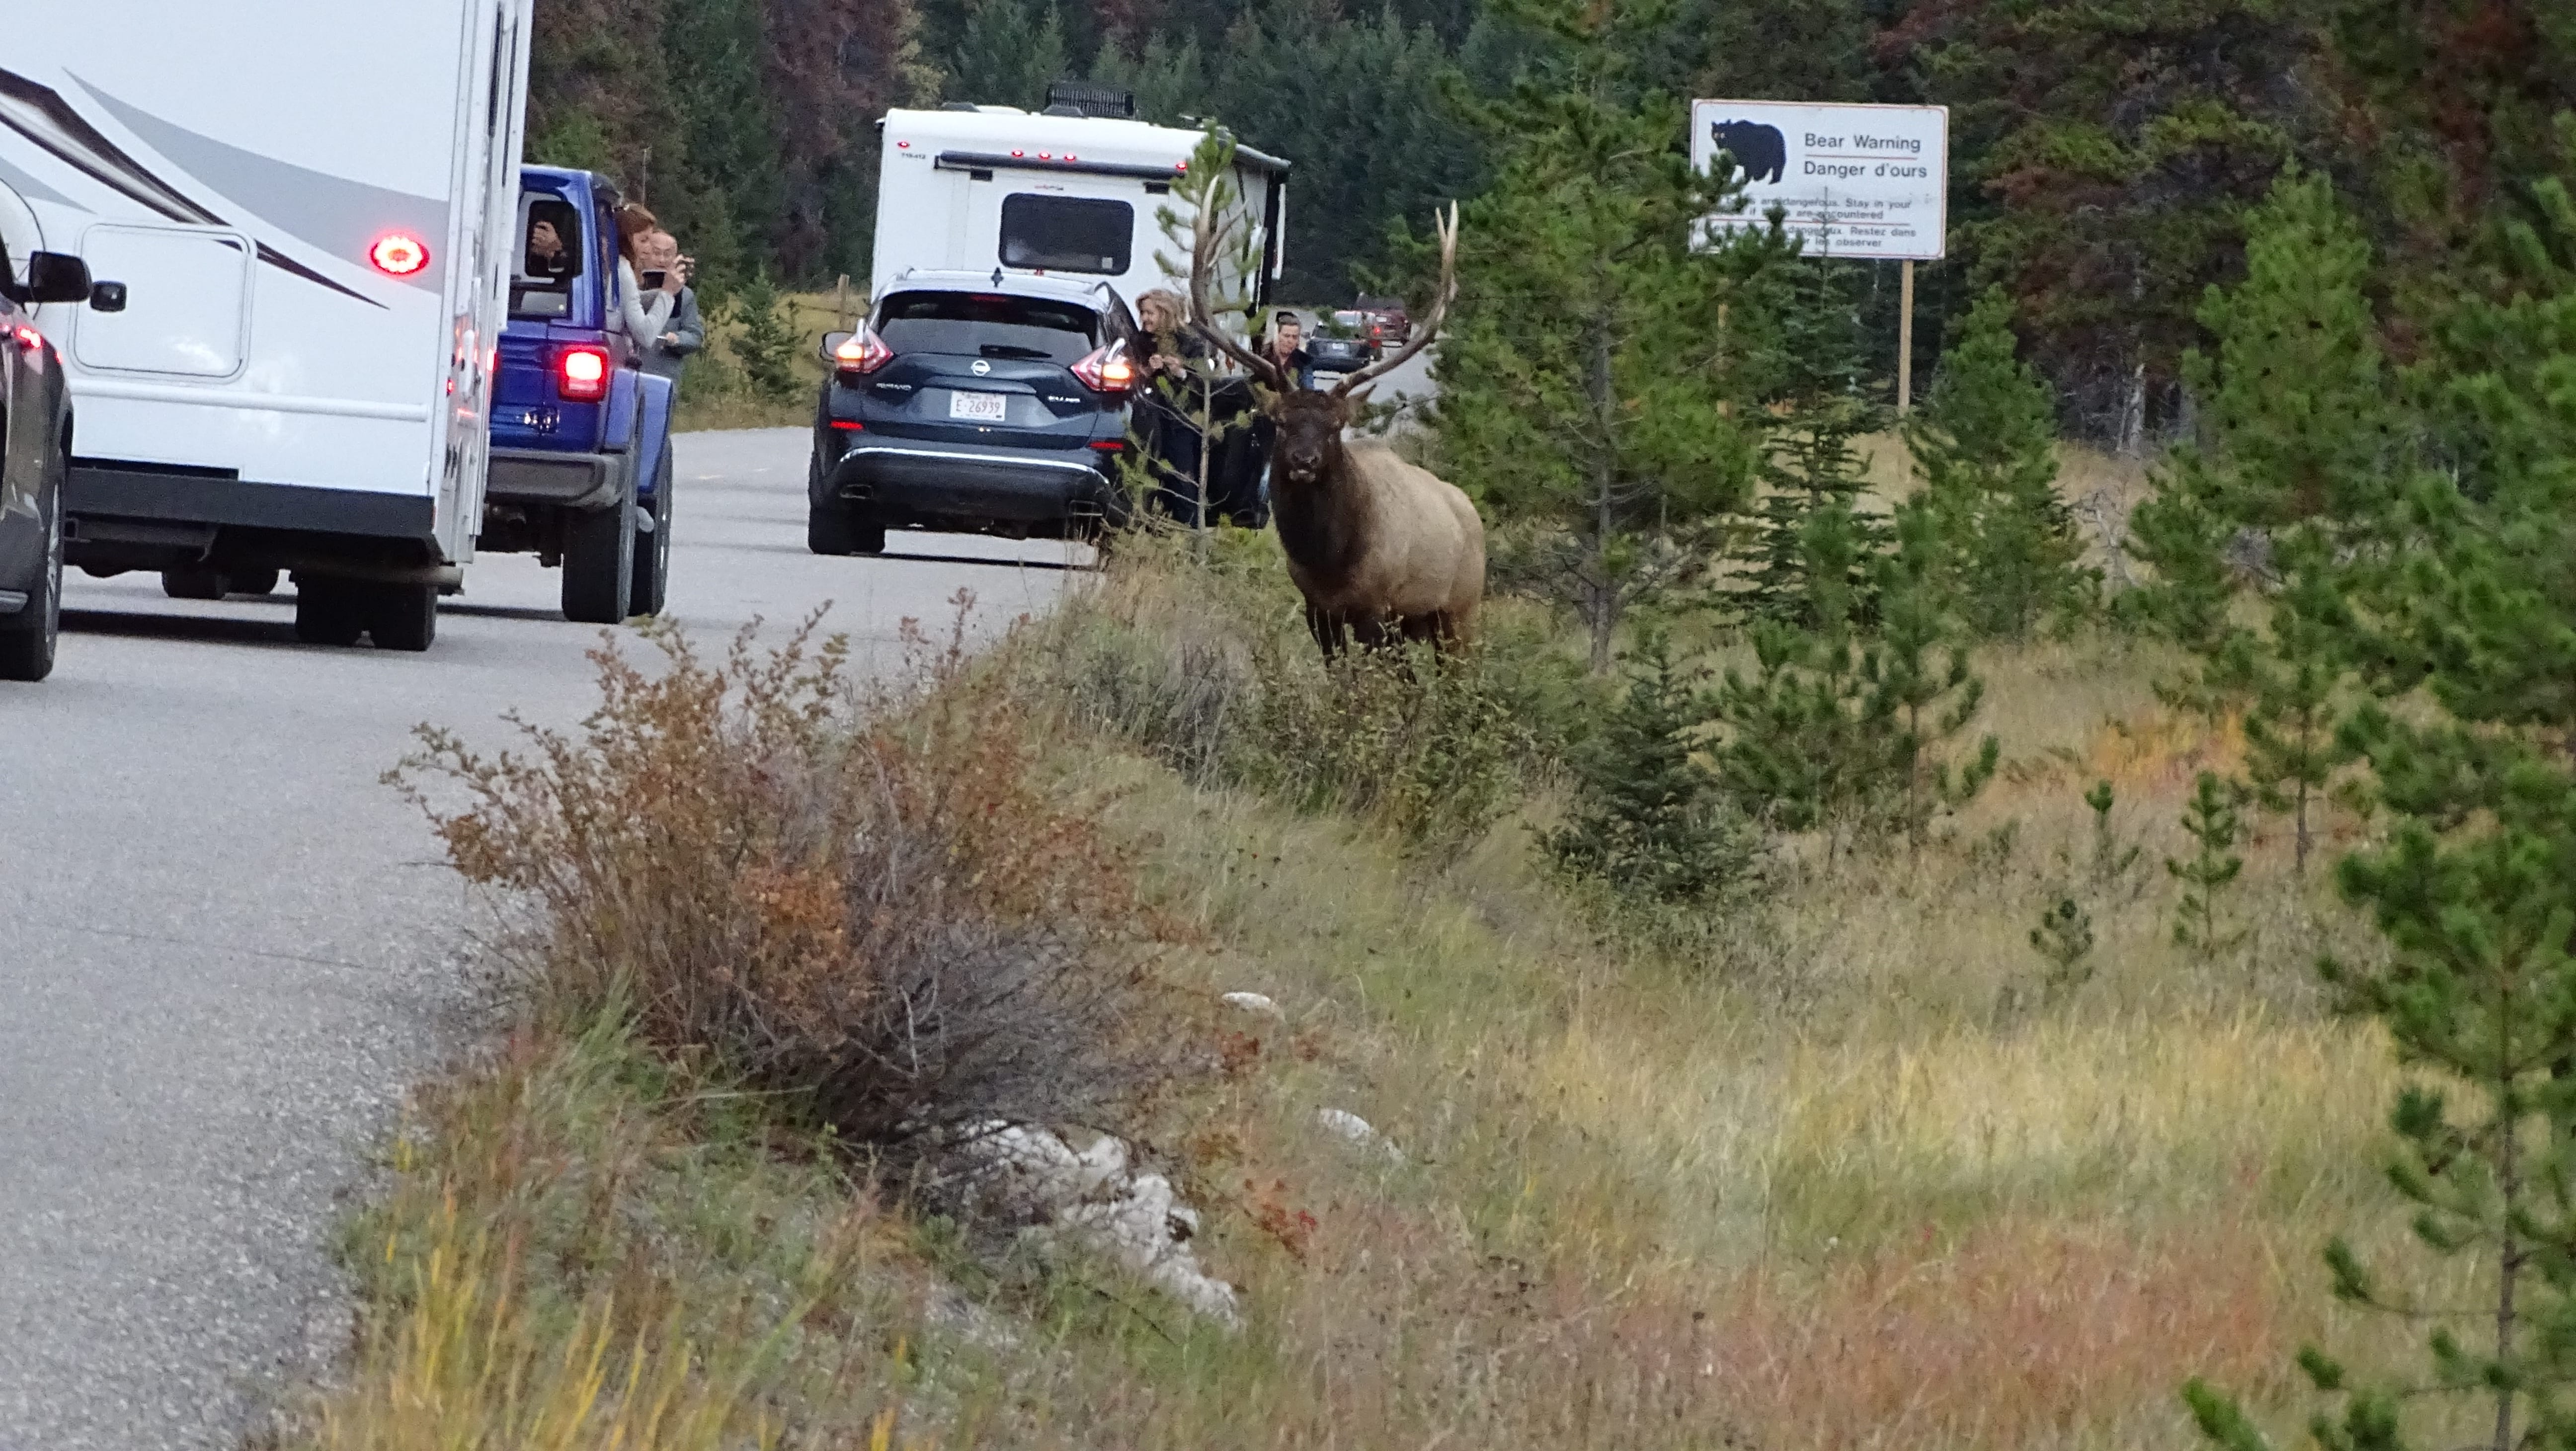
(977, 407)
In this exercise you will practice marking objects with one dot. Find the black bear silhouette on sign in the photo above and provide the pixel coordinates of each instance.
(1761, 150)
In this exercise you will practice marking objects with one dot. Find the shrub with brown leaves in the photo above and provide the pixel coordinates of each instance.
(858, 897)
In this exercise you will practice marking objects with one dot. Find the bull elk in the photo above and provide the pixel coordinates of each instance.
(1377, 546)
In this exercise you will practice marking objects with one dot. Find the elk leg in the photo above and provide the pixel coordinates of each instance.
(1327, 630)
(1371, 632)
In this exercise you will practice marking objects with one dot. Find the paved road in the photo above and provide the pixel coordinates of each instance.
(225, 948)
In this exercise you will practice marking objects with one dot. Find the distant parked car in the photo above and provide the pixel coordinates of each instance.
(1341, 344)
(1388, 316)
(36, 423)
(998, 403)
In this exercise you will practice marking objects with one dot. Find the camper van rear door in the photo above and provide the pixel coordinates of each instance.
(189, 322)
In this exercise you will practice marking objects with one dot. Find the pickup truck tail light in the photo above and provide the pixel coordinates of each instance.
(1106, 370)
(862, 354)
(581, 374)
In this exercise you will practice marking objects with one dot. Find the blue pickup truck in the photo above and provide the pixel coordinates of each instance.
(581, 437)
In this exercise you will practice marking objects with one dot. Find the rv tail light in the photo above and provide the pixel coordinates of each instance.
(1107, 370)
(863, 354)
(581, 374)
(399, 254)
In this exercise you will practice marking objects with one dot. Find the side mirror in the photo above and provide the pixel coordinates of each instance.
(832, 345)
(108, 297)
(56, 277)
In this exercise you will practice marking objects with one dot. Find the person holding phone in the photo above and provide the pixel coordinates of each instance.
(667, 271)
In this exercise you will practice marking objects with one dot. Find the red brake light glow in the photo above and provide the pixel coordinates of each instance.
(864, 352)
(1107, 370)
(581, 374)
(28, 338)
(399, 254)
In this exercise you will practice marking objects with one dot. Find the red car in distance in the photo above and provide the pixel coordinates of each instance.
(1387, 318)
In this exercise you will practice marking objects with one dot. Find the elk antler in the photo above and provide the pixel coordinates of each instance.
(1207, 232)
(1428, 328)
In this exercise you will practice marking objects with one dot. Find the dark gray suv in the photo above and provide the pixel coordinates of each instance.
(991, 403)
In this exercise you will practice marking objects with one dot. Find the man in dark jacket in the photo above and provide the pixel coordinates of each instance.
(686, 333)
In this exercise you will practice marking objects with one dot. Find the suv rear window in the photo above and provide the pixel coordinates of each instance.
(987, 325)
(1066, 234)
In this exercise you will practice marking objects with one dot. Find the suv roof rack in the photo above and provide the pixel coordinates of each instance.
(1088, 98)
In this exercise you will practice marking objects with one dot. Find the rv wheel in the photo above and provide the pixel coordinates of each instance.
(328, 612)
(402, 616)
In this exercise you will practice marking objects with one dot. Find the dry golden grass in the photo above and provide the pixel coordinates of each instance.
(1843, 1172)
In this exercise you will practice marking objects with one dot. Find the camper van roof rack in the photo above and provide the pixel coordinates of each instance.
(1084, 98)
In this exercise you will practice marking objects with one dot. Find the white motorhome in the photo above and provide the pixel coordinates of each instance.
(309, 209)
(1054, 193)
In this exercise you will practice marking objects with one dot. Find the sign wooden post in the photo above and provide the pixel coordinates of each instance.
(1905, 341)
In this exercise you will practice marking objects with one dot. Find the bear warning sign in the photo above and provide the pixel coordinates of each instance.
(1869, 182)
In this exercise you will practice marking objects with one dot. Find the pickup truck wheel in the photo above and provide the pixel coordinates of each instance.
(27, 638)
(328, 612)
(193, 582)
(840, 529)
(252, 582)
(599, 563)
(401, 616)
(652, 584)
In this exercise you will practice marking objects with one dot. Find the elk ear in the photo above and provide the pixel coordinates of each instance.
(1274, 404)
(1358, 397)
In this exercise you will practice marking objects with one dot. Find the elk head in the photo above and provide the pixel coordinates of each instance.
(1311, 420)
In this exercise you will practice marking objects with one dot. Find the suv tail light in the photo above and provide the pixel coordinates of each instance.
(581, 373)
(1106, 370)
(863, 354)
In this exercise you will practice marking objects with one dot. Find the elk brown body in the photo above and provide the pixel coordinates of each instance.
(1378, 546)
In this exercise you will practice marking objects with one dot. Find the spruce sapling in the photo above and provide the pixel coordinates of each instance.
(2291, 750)
(2112, 857)
(767, 343)
(1923, 687)
(1648, 818)
(1985, 443)
(2212, 820)
(2064, 937)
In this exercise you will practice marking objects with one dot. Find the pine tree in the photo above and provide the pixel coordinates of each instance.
(1922, 686)
(1842, 729)
(767, 343)
(1586, 383)
(2111, 149)
(1809, 560)
(1800, 748)
(2212, 820)
(1007, 54)
(2064, 937)
(1648, 818)
(1985, 443)
(2291, 683)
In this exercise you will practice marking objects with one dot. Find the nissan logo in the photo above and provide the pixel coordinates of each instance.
(981, 367)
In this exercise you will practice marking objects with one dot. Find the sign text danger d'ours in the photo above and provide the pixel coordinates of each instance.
(1868, 182)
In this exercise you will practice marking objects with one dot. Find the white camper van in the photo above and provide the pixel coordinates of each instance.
(1063, 192)
(309, 209)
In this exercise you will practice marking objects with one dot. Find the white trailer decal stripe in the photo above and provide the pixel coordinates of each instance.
(42, 116)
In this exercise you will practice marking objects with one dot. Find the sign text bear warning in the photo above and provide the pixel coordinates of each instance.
(1867, 182)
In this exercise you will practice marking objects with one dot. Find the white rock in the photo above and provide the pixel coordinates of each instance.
(1348, 1126)
(1096, 1199)
(1255, 1003)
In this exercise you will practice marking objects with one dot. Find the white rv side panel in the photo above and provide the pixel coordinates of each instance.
(281, 136)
